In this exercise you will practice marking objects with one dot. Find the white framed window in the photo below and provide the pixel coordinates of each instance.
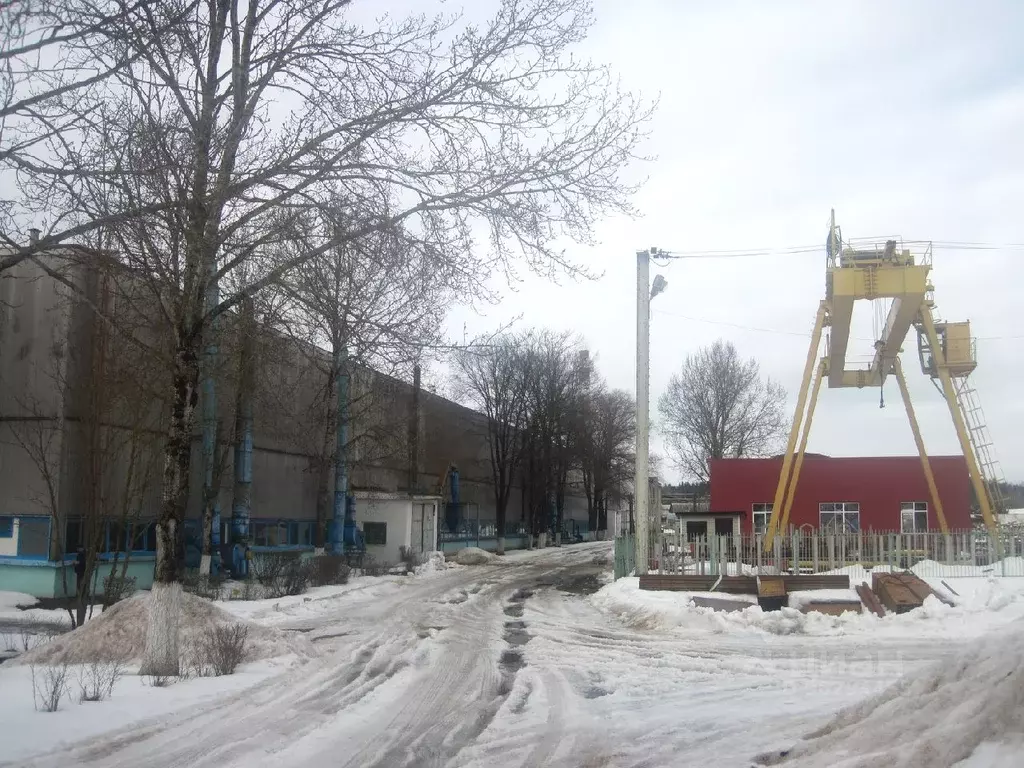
(760, 515)
(913, 516)
(839, 516)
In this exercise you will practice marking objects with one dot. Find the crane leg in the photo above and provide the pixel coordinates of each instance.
(977, 481)
(929, 477)
(787, 461)
(798, 464)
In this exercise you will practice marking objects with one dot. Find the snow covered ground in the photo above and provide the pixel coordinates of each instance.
(513, 664)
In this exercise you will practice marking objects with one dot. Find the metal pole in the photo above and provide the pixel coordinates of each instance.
(340, 517)
(643, 323)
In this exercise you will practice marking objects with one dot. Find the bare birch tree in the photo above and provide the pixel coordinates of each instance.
(719, 406)
(223, 122)
(41, 69)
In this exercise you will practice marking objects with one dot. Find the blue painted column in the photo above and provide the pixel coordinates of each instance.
(241, 502)
(343, 518)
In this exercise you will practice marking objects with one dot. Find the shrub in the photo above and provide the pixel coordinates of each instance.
(267, 569)
(96, 680)
(295, 578)
(49, 686)
(217, 652)
(409, 558)
(157, 681)
(371, 567)
(206, 586)
(325, 570)
(117, 588)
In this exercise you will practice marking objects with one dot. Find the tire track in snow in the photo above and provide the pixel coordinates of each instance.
(408, 680)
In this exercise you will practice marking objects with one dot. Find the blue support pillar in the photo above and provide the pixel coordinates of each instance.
(340, 519)
(241, 502)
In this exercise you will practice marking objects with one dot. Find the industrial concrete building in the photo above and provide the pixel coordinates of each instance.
(74, 398)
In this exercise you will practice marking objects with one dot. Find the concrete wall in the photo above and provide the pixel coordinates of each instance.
(46, 336)
(43, 578)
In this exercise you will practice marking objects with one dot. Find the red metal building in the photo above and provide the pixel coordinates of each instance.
(885, 493)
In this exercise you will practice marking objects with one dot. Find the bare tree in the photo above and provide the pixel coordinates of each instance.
(719, 406)
(494, 377)
(559, 369)
(606, 438)
(87, 427)
(223, 124)
(41, 70)
(371, 304)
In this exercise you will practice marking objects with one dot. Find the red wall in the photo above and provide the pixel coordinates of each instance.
(879, 484)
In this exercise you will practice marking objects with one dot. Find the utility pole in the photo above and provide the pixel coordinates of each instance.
(645, 291)
(643, 381)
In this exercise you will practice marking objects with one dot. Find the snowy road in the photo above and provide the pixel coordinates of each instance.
(508, 665)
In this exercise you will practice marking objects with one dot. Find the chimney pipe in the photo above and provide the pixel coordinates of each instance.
(33, 236)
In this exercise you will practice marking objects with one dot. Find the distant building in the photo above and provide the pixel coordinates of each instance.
(884, 493)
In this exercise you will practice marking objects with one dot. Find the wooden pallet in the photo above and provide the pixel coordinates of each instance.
(870, 599)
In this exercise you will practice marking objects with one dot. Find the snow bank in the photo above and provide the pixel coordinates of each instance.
(120, 633)
(473, 556)
(969, 707)
(10, 601)
(435, 562)
(802, 598)
(984, 605)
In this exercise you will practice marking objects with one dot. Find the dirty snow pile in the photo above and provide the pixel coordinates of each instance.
(984, 606)
(120, 633)
(473, 556)
(435, 562)
(967, 708)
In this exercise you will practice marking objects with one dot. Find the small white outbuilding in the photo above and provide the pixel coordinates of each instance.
(391, 521)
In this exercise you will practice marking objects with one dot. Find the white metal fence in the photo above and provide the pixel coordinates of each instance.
(954, 554)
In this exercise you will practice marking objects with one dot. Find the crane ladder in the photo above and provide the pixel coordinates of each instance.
(981, 440)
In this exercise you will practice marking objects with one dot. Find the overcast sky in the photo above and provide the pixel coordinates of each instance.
(907, 118)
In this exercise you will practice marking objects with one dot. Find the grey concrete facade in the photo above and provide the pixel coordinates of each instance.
(49, 364)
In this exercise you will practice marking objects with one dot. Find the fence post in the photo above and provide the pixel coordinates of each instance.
(777, 546)
(948, 542)
(831, 551)
(758, 543)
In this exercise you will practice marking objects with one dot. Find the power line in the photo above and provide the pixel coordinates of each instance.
(662, 257)
(799, 334)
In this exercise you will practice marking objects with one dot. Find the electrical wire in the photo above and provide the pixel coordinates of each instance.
(778, 332)
(663, 257)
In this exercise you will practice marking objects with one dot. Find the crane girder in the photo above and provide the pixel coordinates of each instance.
(946, 350)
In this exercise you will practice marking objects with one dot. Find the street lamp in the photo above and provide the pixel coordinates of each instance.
(645, 291)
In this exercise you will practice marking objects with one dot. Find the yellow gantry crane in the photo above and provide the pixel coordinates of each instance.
(947, 353)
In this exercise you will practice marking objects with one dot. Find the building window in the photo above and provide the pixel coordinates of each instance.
(913, 516)
(34, 537)
(375, 534)
(762, 513)
(839, 516)
(6, 527)
(144, 537)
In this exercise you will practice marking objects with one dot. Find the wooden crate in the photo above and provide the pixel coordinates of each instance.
(900, 592)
